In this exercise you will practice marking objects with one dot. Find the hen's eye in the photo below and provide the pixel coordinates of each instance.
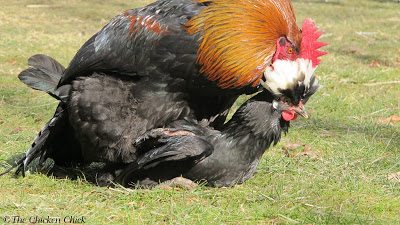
(285, 99)
(290, 51)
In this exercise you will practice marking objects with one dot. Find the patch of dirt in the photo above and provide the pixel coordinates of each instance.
(327, 133)
(298, 150)
(308, 152)
(375, 64)
(12, 62)
(352, 50)
(397, 63)
(391, 120)
(16, 130)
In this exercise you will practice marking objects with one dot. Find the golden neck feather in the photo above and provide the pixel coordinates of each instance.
(238, 38)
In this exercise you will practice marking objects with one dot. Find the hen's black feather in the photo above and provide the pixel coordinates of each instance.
(219, 157)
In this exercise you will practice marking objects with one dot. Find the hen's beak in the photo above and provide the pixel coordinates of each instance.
(300, 110)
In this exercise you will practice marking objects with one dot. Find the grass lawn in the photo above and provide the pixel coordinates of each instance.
(348, 173)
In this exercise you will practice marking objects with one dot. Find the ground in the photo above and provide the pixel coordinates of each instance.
(348, 172)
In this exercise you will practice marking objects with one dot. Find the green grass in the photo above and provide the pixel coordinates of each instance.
(347, 183)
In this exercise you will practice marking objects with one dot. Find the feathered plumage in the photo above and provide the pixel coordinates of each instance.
(168, 61)
(222, 157)
(238, 38)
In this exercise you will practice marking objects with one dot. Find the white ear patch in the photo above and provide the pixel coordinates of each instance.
(286, 74)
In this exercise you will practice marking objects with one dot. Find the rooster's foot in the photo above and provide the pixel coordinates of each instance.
(178, 182)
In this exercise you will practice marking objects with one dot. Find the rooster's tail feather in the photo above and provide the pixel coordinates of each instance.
(44, 74)
(40, 147)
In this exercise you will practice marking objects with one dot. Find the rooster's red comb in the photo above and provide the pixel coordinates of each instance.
(309, 42)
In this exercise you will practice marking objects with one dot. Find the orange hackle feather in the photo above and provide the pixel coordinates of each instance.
(238, 38)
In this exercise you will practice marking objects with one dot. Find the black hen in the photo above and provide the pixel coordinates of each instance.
(200, 153)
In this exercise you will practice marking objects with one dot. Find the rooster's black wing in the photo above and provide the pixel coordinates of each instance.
(141, 41)
(165, 154)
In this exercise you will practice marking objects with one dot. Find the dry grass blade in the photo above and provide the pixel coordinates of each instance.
(290, 149)
(308, 152)
(382, 83)
(394, 177)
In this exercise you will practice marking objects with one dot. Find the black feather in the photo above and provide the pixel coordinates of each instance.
(182, 149)
(43, 74)
(45, 62)
(39, 148)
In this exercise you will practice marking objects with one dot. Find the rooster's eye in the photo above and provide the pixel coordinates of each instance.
(290, 51)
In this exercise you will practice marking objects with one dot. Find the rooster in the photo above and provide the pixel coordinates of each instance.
(173, 59)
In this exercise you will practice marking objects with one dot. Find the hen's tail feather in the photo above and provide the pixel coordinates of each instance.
(44, 74)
